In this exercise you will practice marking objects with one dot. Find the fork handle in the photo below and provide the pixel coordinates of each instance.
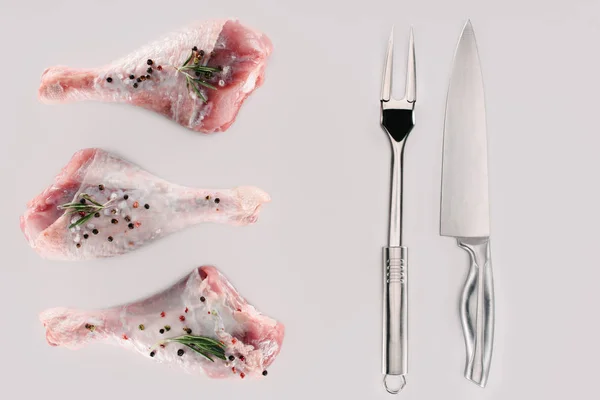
(395, 317)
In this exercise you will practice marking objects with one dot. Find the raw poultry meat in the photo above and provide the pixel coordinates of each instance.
(198, 77)
(101, 205)
(199, 319)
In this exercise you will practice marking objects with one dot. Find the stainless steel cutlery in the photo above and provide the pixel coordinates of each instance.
(464, 212)
(397, 120)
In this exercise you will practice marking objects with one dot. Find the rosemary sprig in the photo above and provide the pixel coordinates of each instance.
(202, 345)
(88, 208)
(195, 74)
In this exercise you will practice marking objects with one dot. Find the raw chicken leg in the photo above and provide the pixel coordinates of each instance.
(198, 77)
(204, 304)
(101, 205)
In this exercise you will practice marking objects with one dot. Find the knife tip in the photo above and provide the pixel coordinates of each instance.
(468, 27)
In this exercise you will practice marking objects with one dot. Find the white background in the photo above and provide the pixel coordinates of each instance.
(311, 138)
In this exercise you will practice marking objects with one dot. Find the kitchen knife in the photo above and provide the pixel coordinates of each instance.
(464, 212)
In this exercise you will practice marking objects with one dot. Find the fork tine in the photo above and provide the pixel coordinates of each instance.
(410, 94)
(386, 84)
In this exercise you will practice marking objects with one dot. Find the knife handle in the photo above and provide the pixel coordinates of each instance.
(477, 310)
(395, 317)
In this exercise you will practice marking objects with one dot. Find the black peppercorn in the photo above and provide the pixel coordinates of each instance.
(97, 215)
(78, 245)
(130, 225)
(110, 238)
(85, 236)
(82, 201)
(152, 353)
(180, 352)
(162, 331)
(109, 79)
(195, 48)
(100, 187)
(197, 73)
(147, 76)
(95, 231)
(231, 358)
(147, 206)
(131, 76)
(125, 197)
(149, 62)
(139, 79)
(201, 53)
(114, 221)
(149, 70)
(202, 299)
(113, 211)
(188, 331)
(265, 372)
(217, 200)
(135, 85)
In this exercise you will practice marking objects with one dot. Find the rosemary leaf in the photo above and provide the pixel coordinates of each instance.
(70, 205)
(81, 220)
(205, 339)
(208, 347)
(203, 353)
(77, 207)
(89, 198)
(204, 346)
(199, 68)
(206, 84)
(188, 59)
(219, 353)
(197, 90)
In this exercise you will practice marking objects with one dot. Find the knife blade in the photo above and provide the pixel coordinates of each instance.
(464, 209)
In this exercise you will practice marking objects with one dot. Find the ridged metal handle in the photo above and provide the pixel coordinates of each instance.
(477, 310)
(395, 316)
